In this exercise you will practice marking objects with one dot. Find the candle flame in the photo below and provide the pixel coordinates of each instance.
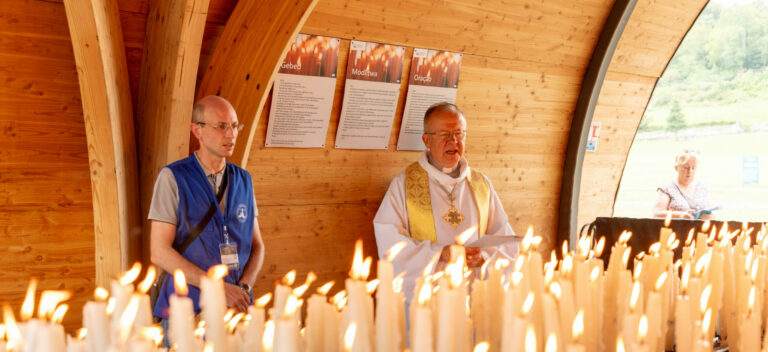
(100, 294)
(299, 291)
(526, 243)
(577, 329)
(753, 272)
(431, 265)
(111, 305)
(268, 339)
(530, 339)
(131, 275)
(28, 307)
(129, 315)
(625, 256)
(180, 283)
(48, 302)
(349, 336)
(567, 265)
(515, 278)
(600, 246)
(583, 247)
(519, 263)
(686, 277)
(625, 236)
(58, 315)
(218, 272)
(425, 293)
(395, 250)
(289, 278)
(232, 323)
(262, 301)
(671, 241)
(454, 271)
(638, 271)
(323, 290)
(357, 262)
(551, 345)
(594, 274)
(564, 248)
(200, 330)
(208, 347)
(152, 333)
(702, 264)
(642, 329)
(556, 290)
(536, 241)
(397, 282)
(482, 347)
(291, 304)
(654, 248)
(674, 244)
(689, 239)
(704, 301)
(12, 332)
(371, 286)
(527, 304)
(501, 263)
(711, 238)
(635, 296)
(463, 237)
(149, 279)
(660, 281)
(668, 218)
(706, 321)
(705, 226)
(81, 333)
(620, 345)
(229, 314)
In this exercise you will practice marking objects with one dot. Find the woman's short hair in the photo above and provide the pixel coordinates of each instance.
(685, 156)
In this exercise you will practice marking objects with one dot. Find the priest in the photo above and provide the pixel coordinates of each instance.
(437, 198)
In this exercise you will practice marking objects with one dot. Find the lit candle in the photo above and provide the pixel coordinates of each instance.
(577, 330)
(388, 337)
(287, 328)
(359, 304)
(683, 316)
(253, 333)
(181, 316)
(214, 306)
(121, 291)
(421, 318)
(749, 325)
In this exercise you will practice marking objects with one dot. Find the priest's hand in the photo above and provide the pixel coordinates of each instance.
(237, 298)
(474, 257)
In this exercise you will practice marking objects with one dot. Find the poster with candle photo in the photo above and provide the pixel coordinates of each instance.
(371, 93)
(434, 78)
(302, 95)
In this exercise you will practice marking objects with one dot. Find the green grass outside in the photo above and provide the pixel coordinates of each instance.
(746, 112)
(651, 163)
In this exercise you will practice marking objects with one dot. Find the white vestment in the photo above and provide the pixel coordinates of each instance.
(391, 222)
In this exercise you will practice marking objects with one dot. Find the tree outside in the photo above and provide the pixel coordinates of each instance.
(676, 119)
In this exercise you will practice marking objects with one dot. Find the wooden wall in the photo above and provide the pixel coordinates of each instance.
(520, 78)
(46, 221)
(650, 39)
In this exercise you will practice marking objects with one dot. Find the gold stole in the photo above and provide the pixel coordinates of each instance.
(419, 204)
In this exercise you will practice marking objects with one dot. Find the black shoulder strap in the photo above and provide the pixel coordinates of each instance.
(206, 219)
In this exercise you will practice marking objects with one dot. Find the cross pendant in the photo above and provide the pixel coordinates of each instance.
(453, 217)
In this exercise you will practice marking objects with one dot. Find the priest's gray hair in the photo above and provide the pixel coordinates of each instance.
(440, 107)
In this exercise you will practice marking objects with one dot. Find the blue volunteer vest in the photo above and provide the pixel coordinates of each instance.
(195, 198)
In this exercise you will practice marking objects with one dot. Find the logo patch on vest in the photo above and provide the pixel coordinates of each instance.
(241, 213)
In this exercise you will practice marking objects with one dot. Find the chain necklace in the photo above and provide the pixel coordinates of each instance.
(453, 217)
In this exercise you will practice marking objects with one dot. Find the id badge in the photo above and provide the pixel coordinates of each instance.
(229, 256)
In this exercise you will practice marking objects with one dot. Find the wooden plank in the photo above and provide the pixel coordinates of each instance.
(100, 58)
(167, 89)
(246, 59)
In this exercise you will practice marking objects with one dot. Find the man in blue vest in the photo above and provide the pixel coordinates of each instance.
(204, 194)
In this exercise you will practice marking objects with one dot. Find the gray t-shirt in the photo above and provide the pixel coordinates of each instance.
(165, 198)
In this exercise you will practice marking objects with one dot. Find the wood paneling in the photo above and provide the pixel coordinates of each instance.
(104, 89)
(46, 222)
(649, 41)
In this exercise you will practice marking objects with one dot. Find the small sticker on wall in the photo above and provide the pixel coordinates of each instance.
(594, 134)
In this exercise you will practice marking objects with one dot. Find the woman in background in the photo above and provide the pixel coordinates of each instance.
(684, 197)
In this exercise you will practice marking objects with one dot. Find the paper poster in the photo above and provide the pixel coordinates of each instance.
(302, 95)
(594, 134)
(370, 95)
(434, 78)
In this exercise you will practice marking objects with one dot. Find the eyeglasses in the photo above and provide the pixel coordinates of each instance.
(459, 134)
(223, 127)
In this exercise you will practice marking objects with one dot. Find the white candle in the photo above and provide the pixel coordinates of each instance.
(421, 326)
(214, 306)
(181, 319)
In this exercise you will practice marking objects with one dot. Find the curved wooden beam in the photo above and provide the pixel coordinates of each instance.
(582, 117)
(247, 57)
(97, 41)
(167, 88)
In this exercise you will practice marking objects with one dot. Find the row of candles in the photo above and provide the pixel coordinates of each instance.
(567, 304)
